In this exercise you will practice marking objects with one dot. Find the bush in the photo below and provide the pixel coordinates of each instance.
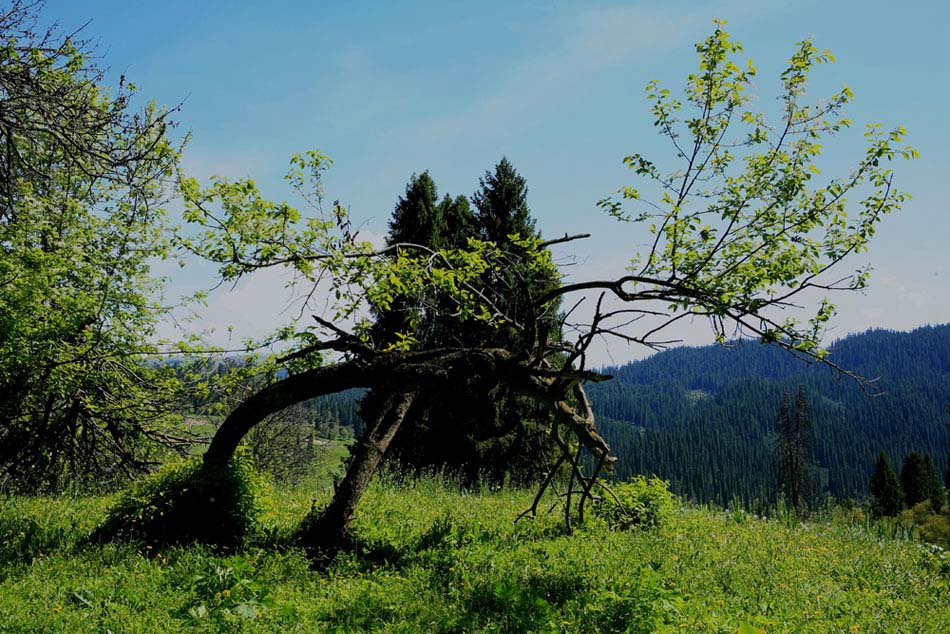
(637, 503)
(187, 502)
(926, 524)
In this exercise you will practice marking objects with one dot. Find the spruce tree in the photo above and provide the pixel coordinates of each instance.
(914, 480)
(519, 441)
(886, 490)
(502, 205)
(935, 491)
(477, 429)
(796, 444)
(417, 218)
(501, 212)
(458, 222)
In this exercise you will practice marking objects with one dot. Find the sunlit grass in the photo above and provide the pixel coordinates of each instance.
(434, 558)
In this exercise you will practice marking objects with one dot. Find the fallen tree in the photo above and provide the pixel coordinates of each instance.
(738, 231)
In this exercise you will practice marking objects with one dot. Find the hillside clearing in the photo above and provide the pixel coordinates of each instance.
(434, 558)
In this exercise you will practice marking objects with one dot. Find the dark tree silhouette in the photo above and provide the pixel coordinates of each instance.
(886, 491)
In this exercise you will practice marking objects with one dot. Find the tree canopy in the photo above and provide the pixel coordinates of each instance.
(886, 489)
(477, 428)
(741, 228)
(84, 178)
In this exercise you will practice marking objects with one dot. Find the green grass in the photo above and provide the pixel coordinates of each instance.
(433, 558)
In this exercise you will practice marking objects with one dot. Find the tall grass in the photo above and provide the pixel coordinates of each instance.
(433, 557)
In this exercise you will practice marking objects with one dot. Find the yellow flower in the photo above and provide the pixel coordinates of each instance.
(57, 608)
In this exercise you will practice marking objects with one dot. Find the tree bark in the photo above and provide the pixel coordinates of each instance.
(277, 396)
(331, 528)
(411, 370)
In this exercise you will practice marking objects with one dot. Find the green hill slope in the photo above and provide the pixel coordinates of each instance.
(704, 418)
(433, 558)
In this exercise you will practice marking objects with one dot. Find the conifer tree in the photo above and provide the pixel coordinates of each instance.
(458, 222)
(914, 480)
(502, 212)
(886, 490)
(796, 469)
(417, 218)
(502, 204)
(519, 440)
(935, 491)
(478, 429)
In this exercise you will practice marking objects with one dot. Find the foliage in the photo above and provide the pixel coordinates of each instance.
(739, 227)
(929, 525)
(936, 494)
(740, 233)
(188, 502)
(81, 224)
(915, 479)
(432, 557)
(703, 417)
(493, 433)
(886, 491)
(637, 503)
(225, 593)
(795, 453)
(236, 228)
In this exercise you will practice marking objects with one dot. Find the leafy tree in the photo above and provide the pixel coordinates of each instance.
(83, 182)
(886, 490)
(914, 479)
(741, 229)
(795, 452)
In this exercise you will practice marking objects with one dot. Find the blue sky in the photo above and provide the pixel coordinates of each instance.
(388, 89)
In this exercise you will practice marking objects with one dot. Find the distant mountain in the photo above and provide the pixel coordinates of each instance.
(704, 417)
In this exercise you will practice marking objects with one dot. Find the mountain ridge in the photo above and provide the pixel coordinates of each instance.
(704, 416)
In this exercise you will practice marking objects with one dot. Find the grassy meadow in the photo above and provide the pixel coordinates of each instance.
(434, 558)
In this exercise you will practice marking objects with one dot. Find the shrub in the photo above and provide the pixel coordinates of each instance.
(927, 525)
(637, 503)
(187, 502)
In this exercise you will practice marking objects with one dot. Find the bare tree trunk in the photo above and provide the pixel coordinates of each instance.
(423, 369)
(330, 529)
(276, 397)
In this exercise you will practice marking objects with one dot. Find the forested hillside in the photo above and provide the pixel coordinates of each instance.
(704, 418)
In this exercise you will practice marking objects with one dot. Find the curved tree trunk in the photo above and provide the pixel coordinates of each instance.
(330, 529)
(413, 372)
(280, 395)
